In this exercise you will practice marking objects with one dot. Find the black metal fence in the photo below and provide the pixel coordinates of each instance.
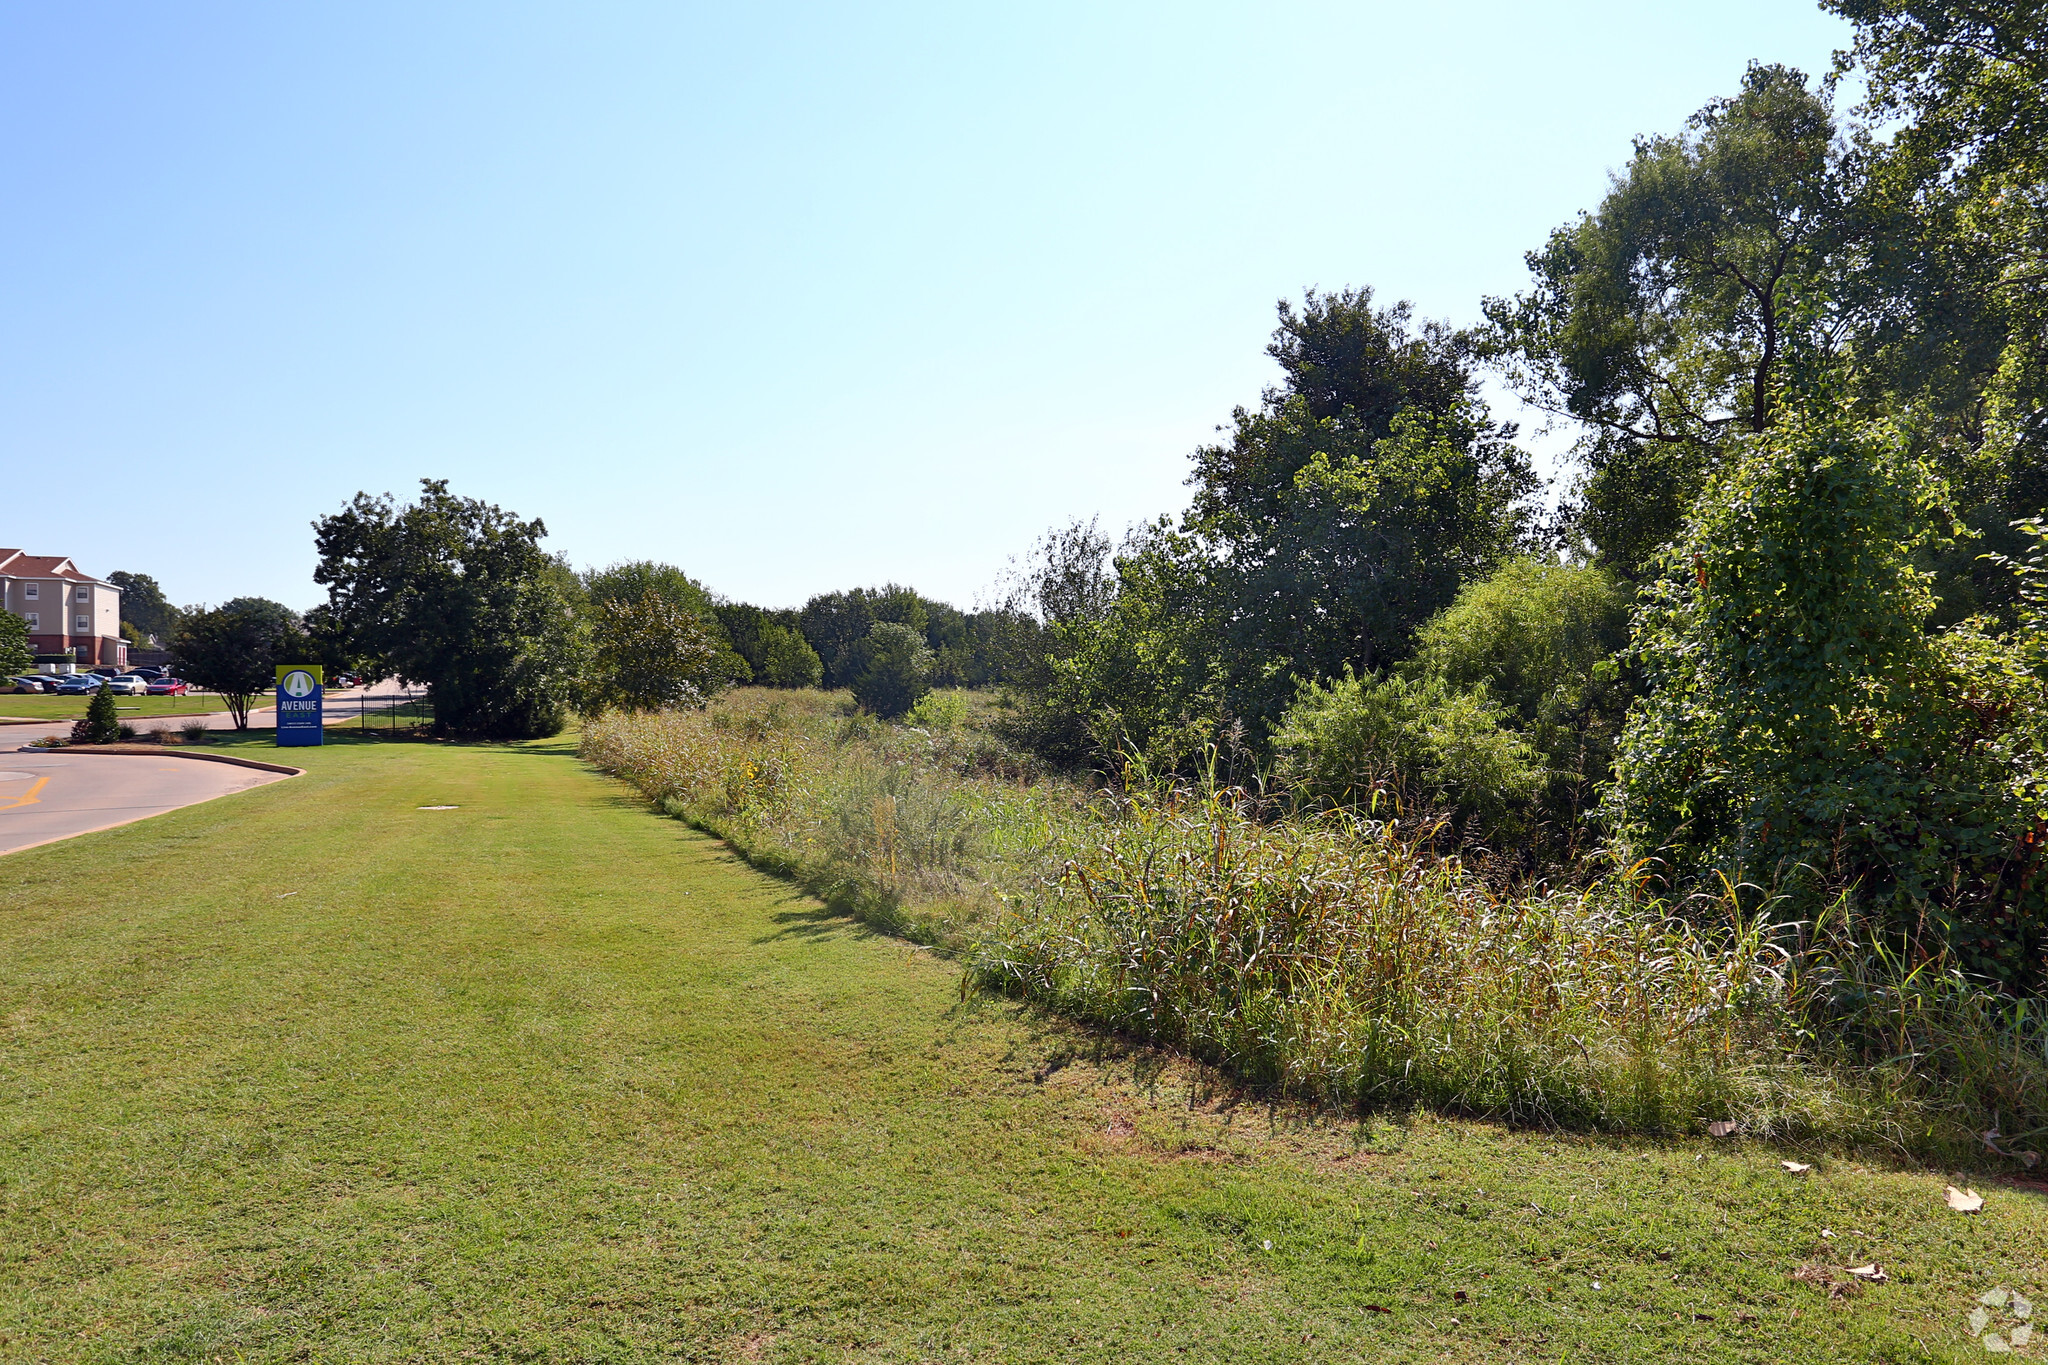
(384, 712)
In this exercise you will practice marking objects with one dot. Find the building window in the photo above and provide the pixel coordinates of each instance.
(81, 624)
(32, 591)
(35, 620)
(84, 594)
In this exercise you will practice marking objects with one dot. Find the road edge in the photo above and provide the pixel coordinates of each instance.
(159, 751)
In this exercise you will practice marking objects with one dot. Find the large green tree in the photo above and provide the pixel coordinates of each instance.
(1662, 322)
(1961, 183)
(836, 622)
(651, 655)
(15, 654)
(1349, 507)
(457, 594)
(1768, 245)
(632, 580)
(143, 603)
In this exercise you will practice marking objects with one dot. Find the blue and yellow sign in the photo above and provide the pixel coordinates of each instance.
(298, 704)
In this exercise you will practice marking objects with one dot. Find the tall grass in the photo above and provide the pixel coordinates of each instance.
(1341, 959)
(915, 828)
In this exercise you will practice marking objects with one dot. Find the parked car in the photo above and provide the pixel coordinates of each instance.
(168, 687)
(105, 671)
(127, 685)
(77, 684)
(28, 682)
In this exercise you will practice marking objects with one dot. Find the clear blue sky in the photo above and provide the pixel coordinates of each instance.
(797, 297)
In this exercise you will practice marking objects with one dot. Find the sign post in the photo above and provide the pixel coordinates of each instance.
(299, 689)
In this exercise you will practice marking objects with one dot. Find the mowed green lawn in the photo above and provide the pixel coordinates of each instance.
(309, 1073)
(31, 706)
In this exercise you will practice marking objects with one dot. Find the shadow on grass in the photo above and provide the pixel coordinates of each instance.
(817, 922)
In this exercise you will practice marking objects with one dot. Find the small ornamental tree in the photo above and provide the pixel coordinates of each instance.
(102, 723)
(889, 670)
(234, 650)
(652, 655)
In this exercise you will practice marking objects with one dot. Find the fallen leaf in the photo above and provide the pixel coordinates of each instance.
(1796, 1167)
(1721, 1128)
(1702, 1317)
(1459, 1296)
(1872, 1272)
(1993, 1298)
(1376, 1308)
(1964, 1201)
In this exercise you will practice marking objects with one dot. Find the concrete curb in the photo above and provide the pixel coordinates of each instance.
(161, 751)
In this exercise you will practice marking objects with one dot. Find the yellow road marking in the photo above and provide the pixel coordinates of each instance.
(27, 798)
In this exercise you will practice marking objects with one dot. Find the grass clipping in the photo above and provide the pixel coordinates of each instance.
(1337, 959)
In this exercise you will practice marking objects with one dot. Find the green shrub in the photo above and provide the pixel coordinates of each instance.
(1541, 638)
(889, 670)
(787, 659)
(1804, 728)
(102, 723)
(1427, 746)
(939, 711)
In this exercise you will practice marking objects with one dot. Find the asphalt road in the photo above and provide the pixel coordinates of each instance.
(342, 708)
(47, 794)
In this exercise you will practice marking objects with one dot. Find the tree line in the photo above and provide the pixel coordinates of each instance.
(510, 640)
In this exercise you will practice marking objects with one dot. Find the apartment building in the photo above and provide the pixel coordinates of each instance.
(68, 612)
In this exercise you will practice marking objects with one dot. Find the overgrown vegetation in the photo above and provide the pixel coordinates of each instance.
(1349, 959)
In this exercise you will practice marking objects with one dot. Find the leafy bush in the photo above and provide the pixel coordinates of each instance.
(1540, 637)
(787, 659)
(1425, 745)
(938, 711)
(890, 670)
(650, 655)
(628, 583)
(1803, 727)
